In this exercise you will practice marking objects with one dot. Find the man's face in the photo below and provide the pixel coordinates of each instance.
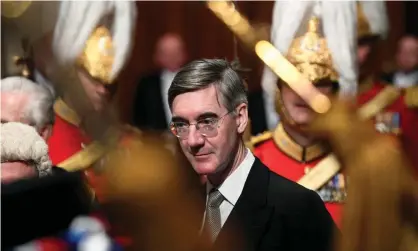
(170, 53)
(13, 107)
(363, 52)
(17, 170)
(98, 94)
(407, 54)
(299, 111)
(209, 155)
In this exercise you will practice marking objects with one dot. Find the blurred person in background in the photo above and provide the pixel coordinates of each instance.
(289, 150)
(394, 110)
(151, 110)
(25, 101)
(406, 74)
(87, 79)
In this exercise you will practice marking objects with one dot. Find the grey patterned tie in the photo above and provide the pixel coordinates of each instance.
(213, 213)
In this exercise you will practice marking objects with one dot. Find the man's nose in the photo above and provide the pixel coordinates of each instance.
(195, 138)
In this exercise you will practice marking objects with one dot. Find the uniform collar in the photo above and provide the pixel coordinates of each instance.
(66, 113)
(302, 154)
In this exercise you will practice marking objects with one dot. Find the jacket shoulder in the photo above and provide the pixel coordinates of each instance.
(306, 215)
(294, 198)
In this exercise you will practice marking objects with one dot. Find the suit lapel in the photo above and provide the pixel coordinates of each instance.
(251, 214)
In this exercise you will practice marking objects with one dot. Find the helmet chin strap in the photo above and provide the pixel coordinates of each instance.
(281, 109)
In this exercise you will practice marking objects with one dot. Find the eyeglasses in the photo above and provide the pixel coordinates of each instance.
(207, 127)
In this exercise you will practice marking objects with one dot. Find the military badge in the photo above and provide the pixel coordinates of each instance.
(388, 122)
(335, 190)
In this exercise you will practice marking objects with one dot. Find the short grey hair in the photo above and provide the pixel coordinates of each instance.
(39, 111)
(201, 74)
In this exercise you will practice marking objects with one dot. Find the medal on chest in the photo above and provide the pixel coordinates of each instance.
(388, 122)
(335, 190)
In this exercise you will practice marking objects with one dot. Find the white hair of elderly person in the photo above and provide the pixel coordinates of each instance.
(24, 153)
(25, 101)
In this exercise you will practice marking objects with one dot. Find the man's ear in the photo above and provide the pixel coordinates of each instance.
(242, 117)
(46, 132)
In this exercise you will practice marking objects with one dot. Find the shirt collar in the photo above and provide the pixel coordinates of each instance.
(233, 185)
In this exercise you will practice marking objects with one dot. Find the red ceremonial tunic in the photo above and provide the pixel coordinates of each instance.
(395, 117)
(286, 158)
(68, 139)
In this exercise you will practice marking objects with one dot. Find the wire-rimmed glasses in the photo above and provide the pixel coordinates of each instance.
(207, 127)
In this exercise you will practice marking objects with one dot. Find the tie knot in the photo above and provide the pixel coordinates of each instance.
(215, 198)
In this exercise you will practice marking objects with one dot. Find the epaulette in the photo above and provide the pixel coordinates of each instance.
(255, 140)
(84, 158)
(411, 96)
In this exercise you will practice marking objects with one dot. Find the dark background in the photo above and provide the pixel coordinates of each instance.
(207, 37)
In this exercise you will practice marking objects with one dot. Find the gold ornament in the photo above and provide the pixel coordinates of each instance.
(14, 9)
(311, 56)
(281, 109)
(24, 62)
(98, 55)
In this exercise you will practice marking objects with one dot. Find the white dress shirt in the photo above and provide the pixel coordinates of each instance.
(231, 188)
(166, 79)
(405, 80)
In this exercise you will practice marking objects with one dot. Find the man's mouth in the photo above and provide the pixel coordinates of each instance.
(302, 105)
(201, 156)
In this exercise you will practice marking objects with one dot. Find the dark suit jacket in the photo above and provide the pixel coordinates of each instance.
(274, 213)
(388, 77)
(38, 207)
(148, 110)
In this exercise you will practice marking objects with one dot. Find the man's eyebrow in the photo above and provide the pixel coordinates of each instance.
(207, 115)
(178, 119)
(201, 116)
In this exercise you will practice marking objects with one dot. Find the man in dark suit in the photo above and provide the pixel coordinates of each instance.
(150, 109)
(268, 212)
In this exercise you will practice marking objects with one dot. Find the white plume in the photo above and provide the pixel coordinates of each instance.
(290, 20)
(78, 19)
(376, 14)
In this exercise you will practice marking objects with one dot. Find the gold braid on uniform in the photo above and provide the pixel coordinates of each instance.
(411, 97)
(281, 109)
(255, 140)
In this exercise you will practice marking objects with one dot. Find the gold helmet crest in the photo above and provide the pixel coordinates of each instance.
(311, 55)
(98, 55)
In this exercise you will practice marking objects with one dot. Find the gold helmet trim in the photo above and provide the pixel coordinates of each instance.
(311, 56)
(98, 55)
